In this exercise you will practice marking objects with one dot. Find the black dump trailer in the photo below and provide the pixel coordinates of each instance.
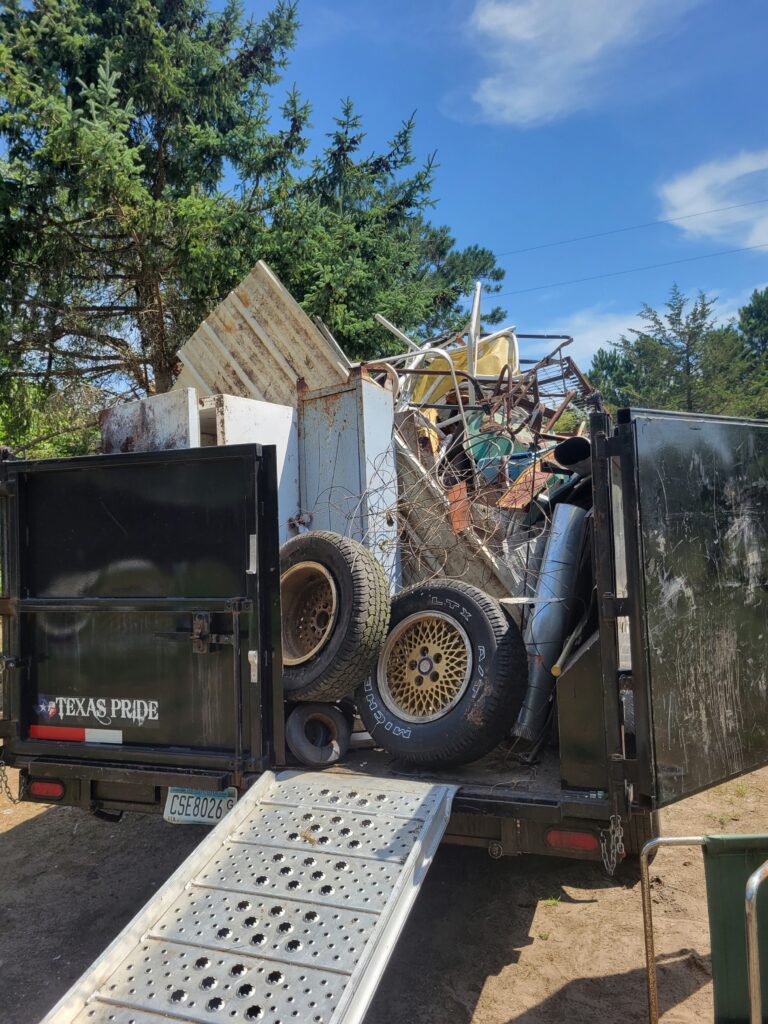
(141, 639)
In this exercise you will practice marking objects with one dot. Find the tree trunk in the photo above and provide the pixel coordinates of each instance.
(152, 330)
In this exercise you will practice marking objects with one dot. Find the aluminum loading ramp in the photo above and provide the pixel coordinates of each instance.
(287, 911)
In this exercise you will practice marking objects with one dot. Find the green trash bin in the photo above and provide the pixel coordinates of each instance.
(730, 862)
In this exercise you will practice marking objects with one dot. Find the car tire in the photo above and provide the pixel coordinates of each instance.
(335, 614)
(450, 678)
(317, 734)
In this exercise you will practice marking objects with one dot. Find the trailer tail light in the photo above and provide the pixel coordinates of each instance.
(46, 789)
(563, 839)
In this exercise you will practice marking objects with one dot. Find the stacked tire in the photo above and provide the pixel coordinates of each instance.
(335, 614)
(438, 675)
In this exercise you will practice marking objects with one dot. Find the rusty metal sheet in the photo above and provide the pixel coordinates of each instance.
(258, 343)
(521, 493)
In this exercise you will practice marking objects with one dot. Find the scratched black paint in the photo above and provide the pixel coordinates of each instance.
(113, 556)
(702, 527)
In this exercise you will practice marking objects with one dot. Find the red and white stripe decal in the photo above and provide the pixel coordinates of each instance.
(72, 734)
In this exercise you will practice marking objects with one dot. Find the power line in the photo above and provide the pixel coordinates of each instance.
(631, 227)
(632, 270)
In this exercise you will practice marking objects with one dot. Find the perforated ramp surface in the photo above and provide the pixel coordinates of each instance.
(286, 912)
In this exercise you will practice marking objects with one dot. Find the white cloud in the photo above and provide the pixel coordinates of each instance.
(548, 58)
(591, 328)
(595, 327)
(727, 306)
(742, 178)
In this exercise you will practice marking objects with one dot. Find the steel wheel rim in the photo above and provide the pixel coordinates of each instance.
(309, 610)
(431, 647)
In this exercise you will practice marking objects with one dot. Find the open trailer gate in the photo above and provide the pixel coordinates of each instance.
(287, 911)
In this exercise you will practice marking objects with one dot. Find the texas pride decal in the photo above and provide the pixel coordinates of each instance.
(106, 711)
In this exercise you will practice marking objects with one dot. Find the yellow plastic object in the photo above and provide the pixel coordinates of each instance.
(491, 357)
(429, 434)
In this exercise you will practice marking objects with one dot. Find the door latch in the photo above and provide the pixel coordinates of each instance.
(201, 636)
(7, 663)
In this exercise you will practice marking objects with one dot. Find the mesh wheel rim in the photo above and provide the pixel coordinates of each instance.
(309, 611)
(403, 662)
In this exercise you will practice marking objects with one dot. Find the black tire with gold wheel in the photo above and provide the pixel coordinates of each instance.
(450, 677)
(335, 612)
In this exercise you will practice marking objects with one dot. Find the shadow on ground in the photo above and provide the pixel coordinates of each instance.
(71, 882)
(473, 919)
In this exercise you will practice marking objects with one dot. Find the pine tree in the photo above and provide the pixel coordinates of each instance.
(146, 167)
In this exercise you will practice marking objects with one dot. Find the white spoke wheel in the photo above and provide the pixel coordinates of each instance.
(425, 667)
(309, 599)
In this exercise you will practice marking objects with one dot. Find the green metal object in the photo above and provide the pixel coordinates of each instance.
(728, 863)
(731, 866)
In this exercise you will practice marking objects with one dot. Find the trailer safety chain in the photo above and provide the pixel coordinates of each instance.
(5, 786)
(612, 844)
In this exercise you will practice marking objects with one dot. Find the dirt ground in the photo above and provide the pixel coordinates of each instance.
(517, 941)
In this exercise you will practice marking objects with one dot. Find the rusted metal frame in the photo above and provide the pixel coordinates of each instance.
(578, 374)
(560, 410)
(645, 888)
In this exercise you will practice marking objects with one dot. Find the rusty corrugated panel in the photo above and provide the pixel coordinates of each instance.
(258, 343)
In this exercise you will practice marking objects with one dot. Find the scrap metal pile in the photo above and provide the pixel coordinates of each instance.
(434, 510)
(481, 451)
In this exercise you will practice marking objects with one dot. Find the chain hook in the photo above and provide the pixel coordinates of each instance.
(612, 844)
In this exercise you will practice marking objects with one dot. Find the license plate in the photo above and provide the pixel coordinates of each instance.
(198, 806)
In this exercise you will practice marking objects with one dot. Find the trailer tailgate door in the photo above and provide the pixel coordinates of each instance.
(139, 583)
(697, 547)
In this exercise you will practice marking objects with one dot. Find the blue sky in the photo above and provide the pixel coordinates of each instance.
(560, 118)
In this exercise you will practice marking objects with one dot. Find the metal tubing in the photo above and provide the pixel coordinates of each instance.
(645, 889)
(390, 371)
(754, 882)
(401, 335)
(545, 630)
(473, 334)
(444, 355)
(575, 454)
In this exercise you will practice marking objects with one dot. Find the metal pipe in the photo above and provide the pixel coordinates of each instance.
(391, 372)
(574, 454)
(473, 334)
(397, 332)
(444, 355)
(545, 630)
(499, 334)
(645, 889)
(754, 882)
